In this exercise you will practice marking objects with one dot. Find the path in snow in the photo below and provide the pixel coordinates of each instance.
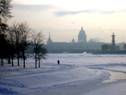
(114, 88)
(58, 82)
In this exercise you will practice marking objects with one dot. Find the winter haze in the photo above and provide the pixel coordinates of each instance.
(65, 17)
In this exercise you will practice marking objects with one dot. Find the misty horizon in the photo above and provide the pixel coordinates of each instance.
(64, 19)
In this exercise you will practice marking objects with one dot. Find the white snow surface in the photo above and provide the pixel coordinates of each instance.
(77, 74)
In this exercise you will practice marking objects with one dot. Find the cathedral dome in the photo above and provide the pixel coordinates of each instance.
(82, 36)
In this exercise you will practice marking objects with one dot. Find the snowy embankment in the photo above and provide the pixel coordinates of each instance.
(76, 75)
(114, 88)
(51, 80)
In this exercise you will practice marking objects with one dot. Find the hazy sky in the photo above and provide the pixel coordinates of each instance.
(64, 18)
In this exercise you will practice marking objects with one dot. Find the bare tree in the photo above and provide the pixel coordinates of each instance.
(12, 45)
(5, 13)
(24, 29)
(16, 34)
(20, 34)
(39, 49)
(3, 41)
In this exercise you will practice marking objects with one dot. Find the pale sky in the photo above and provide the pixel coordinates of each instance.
(64, 18)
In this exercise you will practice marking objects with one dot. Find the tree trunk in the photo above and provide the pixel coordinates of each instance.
(35, 61)
(12, 62)
(2, 62)
(39, 63)
(23, 59)
(24, 63)
(18, 54)
(9, 62)
(18, 60)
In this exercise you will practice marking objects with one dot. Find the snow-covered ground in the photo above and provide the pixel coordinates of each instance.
(77, 74)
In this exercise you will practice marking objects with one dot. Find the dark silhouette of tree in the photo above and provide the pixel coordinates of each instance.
(24, 29)
(14, 39)
(3, 41)
(5, 9)
(20, 36)
(16, 30)
(39, 49)
(3, 47)
(5, 13)
(12, 45)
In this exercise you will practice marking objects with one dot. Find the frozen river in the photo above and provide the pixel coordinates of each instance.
(114, 64)
(86, 59)
(77, 74)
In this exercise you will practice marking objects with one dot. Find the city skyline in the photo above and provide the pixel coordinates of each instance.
(63, 18)
(82, 37)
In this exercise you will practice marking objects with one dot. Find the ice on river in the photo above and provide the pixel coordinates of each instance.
(78, 74)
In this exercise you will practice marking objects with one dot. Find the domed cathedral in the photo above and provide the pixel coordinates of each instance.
(80, 46)
(82, 38)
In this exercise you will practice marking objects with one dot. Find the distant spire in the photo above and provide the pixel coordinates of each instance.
(73, 41)
(49, 39)
(82, 28)
(49, 36)
(113, 33)
(113, 39)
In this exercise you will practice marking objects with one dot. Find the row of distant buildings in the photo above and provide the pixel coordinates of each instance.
(82, 38)
(82, 45)
(113, 47)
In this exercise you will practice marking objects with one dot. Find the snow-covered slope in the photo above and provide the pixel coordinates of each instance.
(77, 74)
(115, 88)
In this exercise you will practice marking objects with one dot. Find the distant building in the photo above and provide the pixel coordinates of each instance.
(113, 39)
(73, 41)
(81, 45)
(113, 42)
(112, 46)
(124, 46)
(82, 38)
